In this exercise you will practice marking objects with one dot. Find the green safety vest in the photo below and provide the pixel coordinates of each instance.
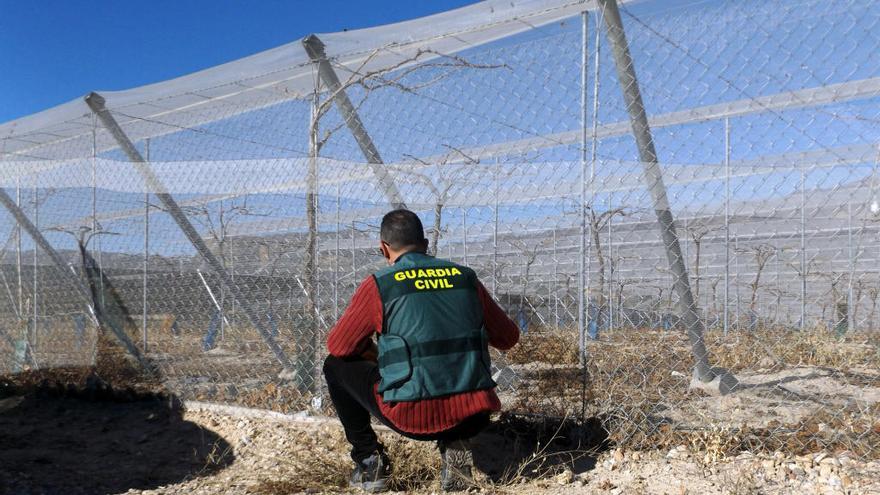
(433, 341)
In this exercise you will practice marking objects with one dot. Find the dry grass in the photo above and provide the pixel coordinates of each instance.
(737, 350)
(318, 463)
(767, 348)
(512, 451)
(321, 463)
(548, 346)
(857, 433)
(632, 376)
(814, 346)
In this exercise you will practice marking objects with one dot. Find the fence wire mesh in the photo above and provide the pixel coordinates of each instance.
(631, 187)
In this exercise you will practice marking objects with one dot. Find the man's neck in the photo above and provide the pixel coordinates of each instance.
(403, 252)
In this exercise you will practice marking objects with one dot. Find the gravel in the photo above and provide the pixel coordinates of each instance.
(263, 445)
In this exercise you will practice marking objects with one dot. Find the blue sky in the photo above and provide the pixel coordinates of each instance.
(52, 51)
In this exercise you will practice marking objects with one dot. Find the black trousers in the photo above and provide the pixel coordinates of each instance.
(351, 382)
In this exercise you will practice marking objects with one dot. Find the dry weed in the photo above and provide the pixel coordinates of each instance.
(774, 348)
(633, 376)
(759, 348)
(415, 464)
(554, 346)
(321, 462)
(316, 462)
(852, 431)
(715, 444)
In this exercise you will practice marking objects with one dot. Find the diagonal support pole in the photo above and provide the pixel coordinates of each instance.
(68, 272)
(315, 49)
(626, 75)
(97, 104)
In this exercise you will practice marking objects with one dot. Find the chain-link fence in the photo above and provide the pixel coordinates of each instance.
(653, 193)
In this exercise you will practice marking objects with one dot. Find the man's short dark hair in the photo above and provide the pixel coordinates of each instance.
(402, 228)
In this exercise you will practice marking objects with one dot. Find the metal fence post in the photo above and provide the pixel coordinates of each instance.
(726, 225)
(36, 298)
(736, 323)
(464, 237)
(852, 270)
(95, 225)
(594, 156)
(97, 105)
(18, 251)
(654, 180)
(778, 293)
(803, 252)
(354, 281)
(555, 292)
(305, 359)
(687, 252)
(146, 249)
(221, 308)
(336, 260)
(495, 235)
(582, 301)
(612, 270)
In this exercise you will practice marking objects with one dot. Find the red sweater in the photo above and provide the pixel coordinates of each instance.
(364, 317)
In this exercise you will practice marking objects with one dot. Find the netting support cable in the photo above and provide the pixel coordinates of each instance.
(314, 47)
(97, 104)
(654, 181)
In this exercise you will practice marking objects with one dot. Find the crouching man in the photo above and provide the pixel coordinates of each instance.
(431, 379)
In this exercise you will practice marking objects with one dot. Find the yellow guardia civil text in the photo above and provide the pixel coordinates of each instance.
(428, 278)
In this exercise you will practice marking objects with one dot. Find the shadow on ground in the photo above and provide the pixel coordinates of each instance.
(60, 440)
(533, 447)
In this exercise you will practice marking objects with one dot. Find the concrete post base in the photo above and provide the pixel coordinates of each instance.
(723, 383)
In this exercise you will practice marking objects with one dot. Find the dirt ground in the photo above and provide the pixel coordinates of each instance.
(58, 444)
(788, 396)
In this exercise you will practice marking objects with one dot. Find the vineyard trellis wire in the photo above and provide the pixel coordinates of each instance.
(647, 189)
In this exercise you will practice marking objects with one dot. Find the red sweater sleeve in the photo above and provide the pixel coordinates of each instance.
(503, 332)
(361, 320)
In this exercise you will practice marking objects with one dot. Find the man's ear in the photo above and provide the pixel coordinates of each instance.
(425, 245)
(383, 246)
